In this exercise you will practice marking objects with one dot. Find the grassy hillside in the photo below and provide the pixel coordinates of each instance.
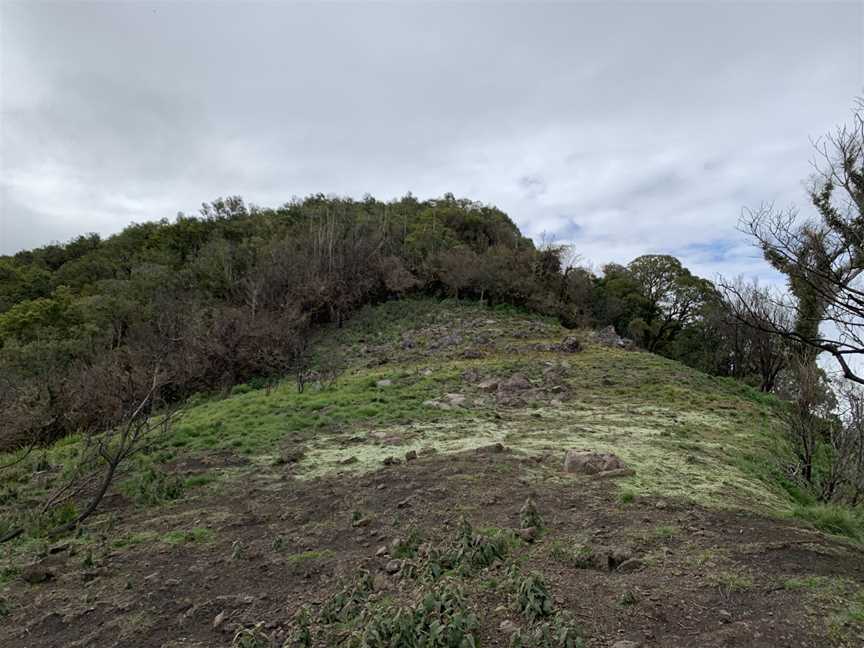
(688, 435)
(281, 500)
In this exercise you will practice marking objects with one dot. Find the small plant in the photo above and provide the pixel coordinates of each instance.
(237, 550)
(579, 556)
(441, 619)
(407, 547)
(532, 596)
(558, 632)
(348, 602)
(628, 598)
(626, 497)
(254, 637)
(153, 486)
(278, 543)
(529, 516)
(300, 632)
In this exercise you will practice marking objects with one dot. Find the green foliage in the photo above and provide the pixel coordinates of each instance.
(529, 515)
(151, 485)
(348, 602)
(532, 595)
(254, 637)
(441, 619)
(832, 518)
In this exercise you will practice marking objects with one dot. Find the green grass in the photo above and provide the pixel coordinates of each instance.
(197, 535)
(830, 518)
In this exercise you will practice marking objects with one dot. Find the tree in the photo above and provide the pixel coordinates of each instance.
(750, 312)
(673, 295)
(822, 257)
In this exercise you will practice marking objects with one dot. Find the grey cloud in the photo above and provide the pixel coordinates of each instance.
(649, 125)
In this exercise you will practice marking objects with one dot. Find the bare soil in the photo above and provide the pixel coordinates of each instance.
(705, 578)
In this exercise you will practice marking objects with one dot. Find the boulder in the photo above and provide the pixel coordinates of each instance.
(587, 462)
(489, 385)
(570, 344)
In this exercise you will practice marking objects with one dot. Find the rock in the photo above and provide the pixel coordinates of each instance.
(36, 573)
(609, 337)
(612, 474)
(58, 548)
(405, 503)
(426, 372)
(631, 565)
(382, 551)
(391, 461)
(508, 627)
(528, 535)
(495, 448)
(725, 616)
(407, 344)
(609, 558)
(626, 644)
(348, 461)
(586, 462)
(411, 455)
(515, 383)
(489, 385)
(384, 383)
(219, 620)
(393, 566)
(472, 354)
(456, 400)
(570, 344)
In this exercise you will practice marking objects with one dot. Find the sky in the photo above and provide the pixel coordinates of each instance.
(623, 129)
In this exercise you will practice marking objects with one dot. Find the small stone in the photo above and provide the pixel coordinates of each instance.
(528, 535)
(508, 627)
(382, 551)
(411, 455)
(633, 564)
(384, 383)
(391, 461)
(725, 616)
(626, 644)
(393, 566)
(348, 461)
(36, 573)
(58, 548)
(219, 621)
(405, 503)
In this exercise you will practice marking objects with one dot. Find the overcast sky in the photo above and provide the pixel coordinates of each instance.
(624, 129)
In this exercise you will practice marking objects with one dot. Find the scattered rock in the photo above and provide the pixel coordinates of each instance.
(411, 455)
(382, 551)
(404, 503)
(384, 383)
(36, 573)
(725, 616)
(626, 644)
(528, 535)
(489, 385)
(426, 372)
(428, 450)
(633, 564)
(587, 462)
(58, 548)
(348, 460)
(570, 344)
(393, 566)
(456, 400)
(495, 448)
(515, 383)
(219, 620)
(472, 354)
(508, 627)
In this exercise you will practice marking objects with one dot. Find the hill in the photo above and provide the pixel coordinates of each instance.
(416, 487)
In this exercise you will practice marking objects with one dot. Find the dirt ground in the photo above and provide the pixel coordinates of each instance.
(262, 544)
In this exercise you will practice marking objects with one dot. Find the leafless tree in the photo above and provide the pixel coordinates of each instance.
(823, 257)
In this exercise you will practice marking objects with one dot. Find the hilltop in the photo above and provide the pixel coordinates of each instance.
(418, 481)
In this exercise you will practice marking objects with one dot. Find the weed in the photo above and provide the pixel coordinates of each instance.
(579, 556)
(529, 516)
(197, 535)
(628, 598)
(532, 595)
(151, 486)
(254, 637)
(731, 580)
